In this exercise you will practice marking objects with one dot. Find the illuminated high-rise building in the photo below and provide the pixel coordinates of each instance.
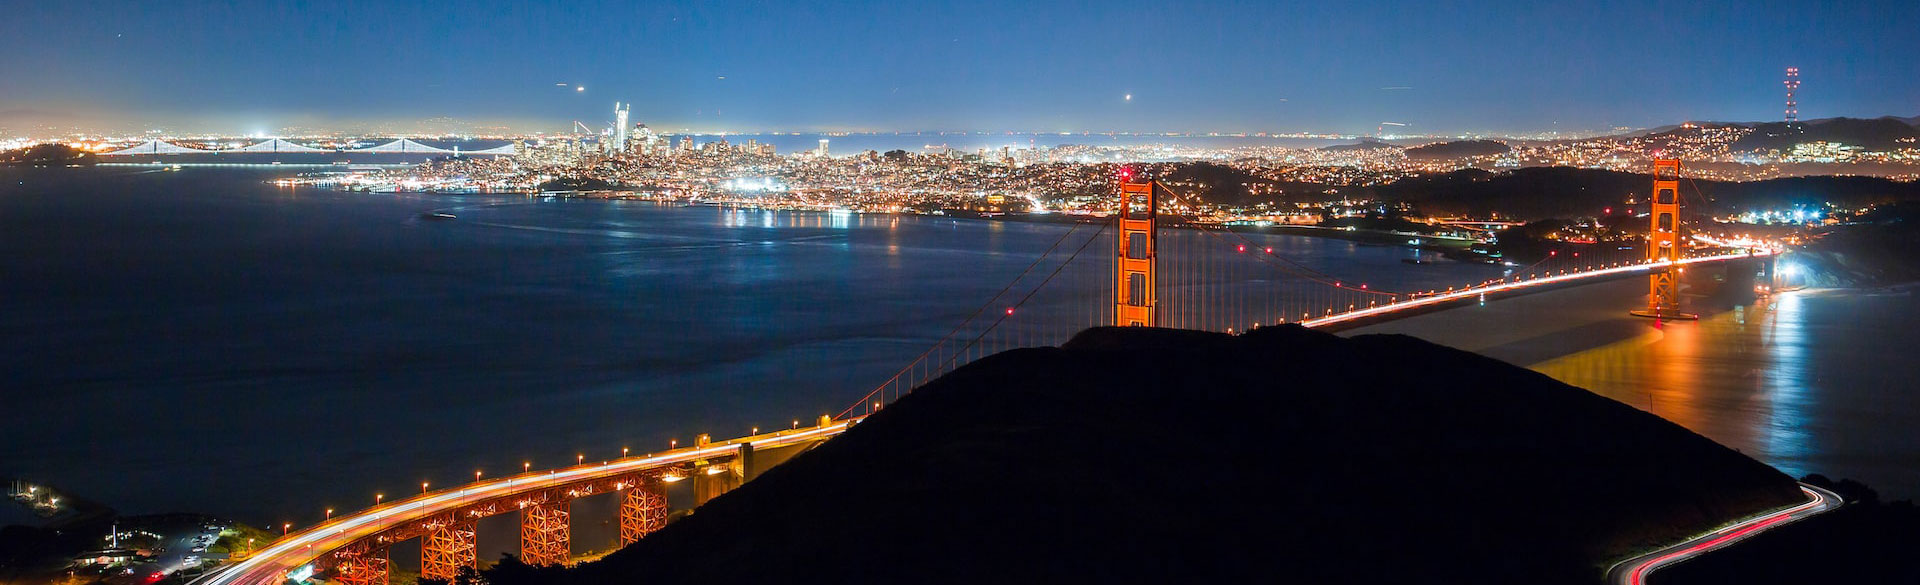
(822, 152)
(619, 144)
(686, 143)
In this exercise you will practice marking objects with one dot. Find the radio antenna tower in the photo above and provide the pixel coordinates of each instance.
(1793, 107)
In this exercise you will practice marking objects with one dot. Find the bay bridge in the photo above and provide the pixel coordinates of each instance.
(1124, 270)
(279, 146)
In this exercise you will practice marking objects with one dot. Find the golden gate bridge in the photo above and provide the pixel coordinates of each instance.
(1124, 270)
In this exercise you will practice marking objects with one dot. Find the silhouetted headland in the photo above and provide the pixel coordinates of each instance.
(1166, 456)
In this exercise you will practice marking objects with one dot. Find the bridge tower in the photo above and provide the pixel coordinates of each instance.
(1135, 251)
(544, 535)
(1663, 244)
(446, 549)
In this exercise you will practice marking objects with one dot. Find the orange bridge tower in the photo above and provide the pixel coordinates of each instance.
(1133, 298)
(1664, 244)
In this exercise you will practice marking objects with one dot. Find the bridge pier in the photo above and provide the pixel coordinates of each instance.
(366, 564)
(711, 480)
(545, 536)
(446, 549)
(1769, 276)
(643, 510)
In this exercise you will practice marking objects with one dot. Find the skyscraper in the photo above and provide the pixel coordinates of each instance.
(619, 128)
(822, 153)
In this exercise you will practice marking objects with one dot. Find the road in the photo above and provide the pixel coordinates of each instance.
(1634, 571)
(271, 565)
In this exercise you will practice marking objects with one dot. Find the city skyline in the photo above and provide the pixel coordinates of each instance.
(1125, 67)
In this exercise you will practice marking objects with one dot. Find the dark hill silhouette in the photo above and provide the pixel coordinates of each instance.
(1363, 144)
(1458, 149)
(1873, 134)
(1544, 192)
(1164, 456)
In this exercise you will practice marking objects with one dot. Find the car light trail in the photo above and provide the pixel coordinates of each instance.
(1634, 571)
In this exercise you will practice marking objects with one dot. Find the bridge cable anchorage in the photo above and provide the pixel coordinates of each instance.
(941, 343)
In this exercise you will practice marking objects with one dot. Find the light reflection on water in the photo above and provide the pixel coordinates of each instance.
(1791, 381)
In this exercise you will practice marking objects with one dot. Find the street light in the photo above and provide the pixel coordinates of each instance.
(285, 527)
(423, 487)
(329, 513)
(476, 475)
(526, 467)
(580, 459)
(623, 452)
(376, 498)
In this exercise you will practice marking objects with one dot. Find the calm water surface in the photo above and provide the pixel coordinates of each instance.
(1817, 381)
(201, 340)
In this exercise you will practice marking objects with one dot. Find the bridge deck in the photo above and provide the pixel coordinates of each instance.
(271, 564)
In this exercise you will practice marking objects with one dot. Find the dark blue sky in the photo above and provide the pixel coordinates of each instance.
(978, 65)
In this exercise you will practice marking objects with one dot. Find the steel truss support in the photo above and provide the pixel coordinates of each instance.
(1135, 251)
(446, 549)
(365, 564)
(643, 510)
(544, 534)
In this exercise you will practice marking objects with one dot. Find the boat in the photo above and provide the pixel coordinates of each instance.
(437, 216)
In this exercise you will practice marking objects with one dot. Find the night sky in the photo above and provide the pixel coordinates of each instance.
(979, 65)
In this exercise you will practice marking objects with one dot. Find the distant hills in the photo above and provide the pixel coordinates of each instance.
(1363, 144)
(1458, 149)
(1543, 192)
(1883, 133)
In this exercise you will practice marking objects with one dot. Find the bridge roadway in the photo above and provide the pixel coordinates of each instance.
(1401, 309)
(421, 515)
(415, 516)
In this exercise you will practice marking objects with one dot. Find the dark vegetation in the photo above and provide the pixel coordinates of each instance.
(47, 154)
(1459, 149)
(1384, 222)
(1867, 541)
(1162, 456)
